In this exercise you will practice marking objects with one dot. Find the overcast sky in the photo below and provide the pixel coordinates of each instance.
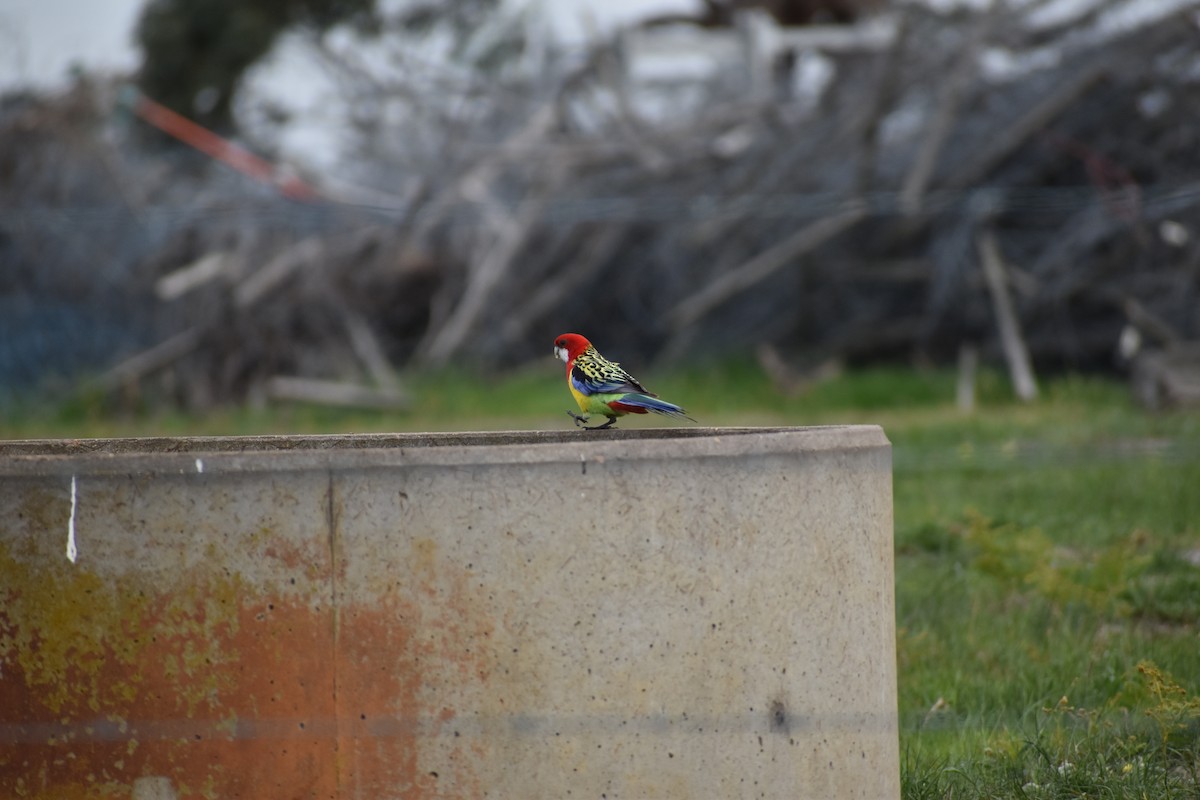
(41, 39)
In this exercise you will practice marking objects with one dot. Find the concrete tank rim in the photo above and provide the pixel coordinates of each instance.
(211, 454)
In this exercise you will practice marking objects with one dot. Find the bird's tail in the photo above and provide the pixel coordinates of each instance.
(641, 403)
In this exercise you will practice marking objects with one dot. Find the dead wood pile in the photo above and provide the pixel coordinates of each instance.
(1027, 190)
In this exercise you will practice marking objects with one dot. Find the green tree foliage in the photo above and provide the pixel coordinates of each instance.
(194, 52)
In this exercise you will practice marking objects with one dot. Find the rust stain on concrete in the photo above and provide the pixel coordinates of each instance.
(399, 661)
(220, 690)
(228, 690)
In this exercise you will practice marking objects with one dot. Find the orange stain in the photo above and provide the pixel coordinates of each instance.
(236, 692)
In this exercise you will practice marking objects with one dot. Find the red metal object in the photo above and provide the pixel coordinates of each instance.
(211, 144)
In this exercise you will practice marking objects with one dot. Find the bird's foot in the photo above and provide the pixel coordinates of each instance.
(580, 419)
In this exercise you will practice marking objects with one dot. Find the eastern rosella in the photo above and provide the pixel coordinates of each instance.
(601, 386)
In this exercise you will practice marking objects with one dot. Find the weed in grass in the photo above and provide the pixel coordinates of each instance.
(923, 778)
(1176, 714)
(1069, 752)
(1027, 558)
(1167, 592)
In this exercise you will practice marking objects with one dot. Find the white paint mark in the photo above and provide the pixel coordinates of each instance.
(72, 552)
(199, 466)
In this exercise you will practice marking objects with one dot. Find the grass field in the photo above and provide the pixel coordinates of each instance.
(1047, 570)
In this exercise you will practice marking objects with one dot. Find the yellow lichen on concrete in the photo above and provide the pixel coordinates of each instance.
(58, 627)
(76, 637)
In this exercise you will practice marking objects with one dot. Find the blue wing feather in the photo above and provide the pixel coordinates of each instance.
(592, 374)
(598, 384)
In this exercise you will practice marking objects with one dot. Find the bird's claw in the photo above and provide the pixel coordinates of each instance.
(580, 419)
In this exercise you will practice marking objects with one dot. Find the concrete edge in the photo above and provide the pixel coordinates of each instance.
(195, 455)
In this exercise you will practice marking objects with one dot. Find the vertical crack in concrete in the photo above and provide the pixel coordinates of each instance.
(335, 617)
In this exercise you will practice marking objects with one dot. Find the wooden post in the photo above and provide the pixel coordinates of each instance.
(968, 363)
(1015, 351)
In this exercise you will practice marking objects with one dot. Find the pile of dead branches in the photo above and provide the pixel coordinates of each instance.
(999, 182)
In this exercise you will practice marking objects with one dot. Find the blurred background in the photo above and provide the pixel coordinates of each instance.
(975, 222)
(220, 204)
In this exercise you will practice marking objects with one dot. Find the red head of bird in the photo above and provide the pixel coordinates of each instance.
(570, 345)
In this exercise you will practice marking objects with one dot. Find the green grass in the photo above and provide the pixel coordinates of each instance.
(1047, 556)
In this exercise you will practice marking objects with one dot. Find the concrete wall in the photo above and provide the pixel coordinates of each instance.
(693, 613)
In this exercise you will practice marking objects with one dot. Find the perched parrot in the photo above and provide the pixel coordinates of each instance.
(601, 386)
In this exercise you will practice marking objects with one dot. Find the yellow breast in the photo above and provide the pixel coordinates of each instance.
(579, 396)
